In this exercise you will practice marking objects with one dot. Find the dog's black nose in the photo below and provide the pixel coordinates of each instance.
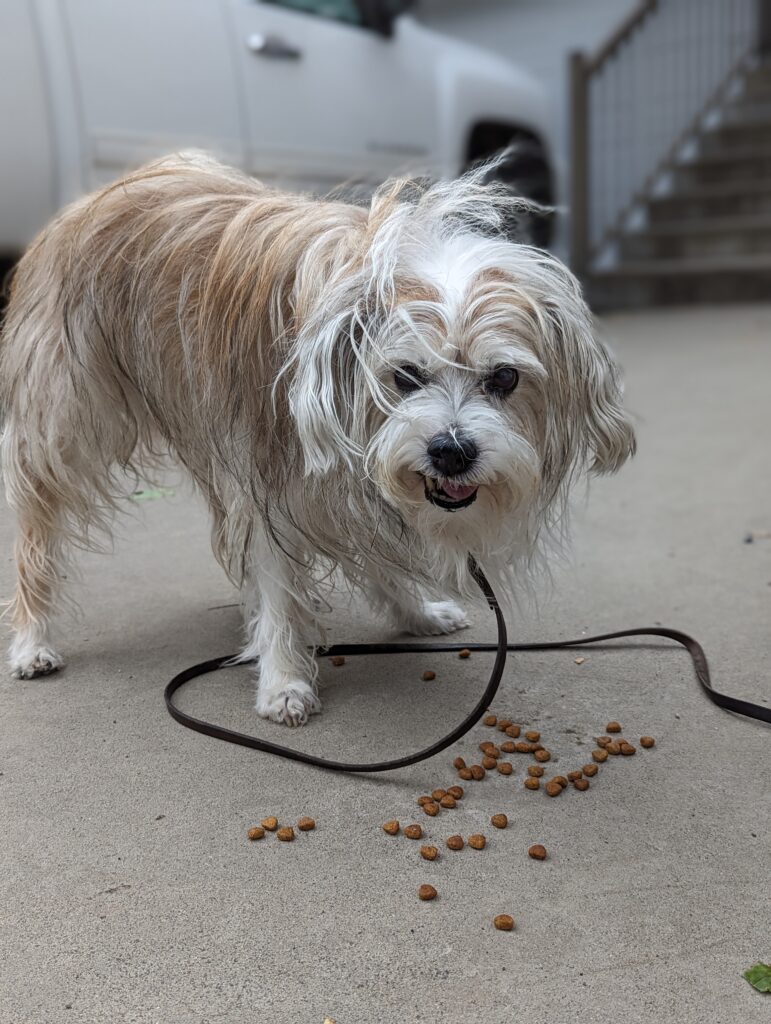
(450, 454)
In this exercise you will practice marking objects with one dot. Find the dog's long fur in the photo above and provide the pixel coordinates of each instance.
(254, 335)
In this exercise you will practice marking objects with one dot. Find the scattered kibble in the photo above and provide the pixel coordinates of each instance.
(422, 800)
(426, 892)
(456, 791)
(513, 731)
(523, 748)
(504, 922)
(285, 834)
(413, 831)
(537, 852)
(603, 741)
(429, 852)
(579, 661)
(561, 780)
(533, 736)
(581, 784)
(599, 756)
(431, 809)
(613, 727)
(504, 724)
(627, 749)
(465, 774)
(535, 770)
(465, 653)
(590, 770)
(542, 755)
(553, 788)
(508, 747)
(428, 675)
(477, 842)
(391, 827)
(271, 824)
(477, 772)
(505, 768)
(458, 763)
(647, 741)
(489, 763)
(255, 833)
(499, 820)
(455, 843)
(572, 776)
(337, 660)
(437, 794)
(447, 801)
(531, 783)
(489, 720)
(306, 824)
(614, 748)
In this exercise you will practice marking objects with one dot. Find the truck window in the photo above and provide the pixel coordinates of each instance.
(336, 10)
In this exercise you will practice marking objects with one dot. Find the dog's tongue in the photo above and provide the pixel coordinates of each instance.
(458, 491)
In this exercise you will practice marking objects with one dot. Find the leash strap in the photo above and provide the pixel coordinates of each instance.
(501, 648)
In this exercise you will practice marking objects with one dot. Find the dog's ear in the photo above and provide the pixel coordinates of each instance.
(587, 425)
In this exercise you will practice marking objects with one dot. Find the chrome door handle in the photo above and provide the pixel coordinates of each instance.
(272, 46)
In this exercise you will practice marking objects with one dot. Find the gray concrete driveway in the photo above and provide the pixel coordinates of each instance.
(128, 889)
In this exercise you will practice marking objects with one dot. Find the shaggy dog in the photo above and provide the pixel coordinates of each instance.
(371, 392)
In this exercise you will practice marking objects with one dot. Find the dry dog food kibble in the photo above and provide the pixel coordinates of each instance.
(572, 776)
(504, 923)
(613, 748)
(590, 770)
(537, 852)
(531, 783)
(542, 755)
(306, 824)
(489, 720)
(581, 784)
(285, 834)
(391, 827)
(505, 768)
(429, 852)
(337, 660)
(428, 675)
(535, 770)
(553, 788)
(600, 755)
(271, 824)
(613, 727)
(426, 892)
(477, 772)
(499, 820)
(647, 741)
(413, 831)
(437, 794)
(447, 801)
(603, 741)
(513, 731)
(627, 749)
(477, 842)
(466, 774)
(508, 747)
(455, 843)
(561, 780)
(489, 763)
(456, 791)
(423, 800)
(431, 809)
(533, 736)
(522, 748)
(255, 833)
(465, 653)
(504, 724)
(458, 763)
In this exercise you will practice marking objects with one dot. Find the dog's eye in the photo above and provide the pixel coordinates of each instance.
(502, 381)
(409, 378)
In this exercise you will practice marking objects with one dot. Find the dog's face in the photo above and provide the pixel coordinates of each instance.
(473, 399)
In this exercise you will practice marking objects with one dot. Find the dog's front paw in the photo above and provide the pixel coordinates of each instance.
(29, 662)
(438, 617)
(291, 703)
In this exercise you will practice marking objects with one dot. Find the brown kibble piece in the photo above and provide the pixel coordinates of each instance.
(627, 749)
(647, 741)
(504, 922)
(499, 820)
(465, 653)
(522, 748)
(477, 842)
(613, 748)
(537, 852)
(590, 770)
(553, 788)
(561, 780)
(459, 763)
(413, 831)
(271, 824)
(489, 720)
(391, 827)
(572, 776)
(533, 736)
(486, 746)
(306, 824)
(456, 791)
(426, 892)
(613, 727)
(429, 852)
(437, 794)
(504, 724)
(477, 772)
(447, 801)
(508, 747)
(489, 763)
(285, 834)
(603, 741)
(455, 843)
(505, 768)
(581, 784)
(337, 660)
(428, 675)
(535, 770)
(255, 833)
(431, 809)
(513, 731)
(466, 774)
(600, 756)
(542, 755)
(531, 783)
(423, 800)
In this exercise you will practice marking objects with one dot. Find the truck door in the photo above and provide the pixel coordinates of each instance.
(328, 99)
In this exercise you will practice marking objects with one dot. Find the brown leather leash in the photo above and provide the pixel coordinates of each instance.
(501, 648)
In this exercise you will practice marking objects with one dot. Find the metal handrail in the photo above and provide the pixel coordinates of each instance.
(627, 27)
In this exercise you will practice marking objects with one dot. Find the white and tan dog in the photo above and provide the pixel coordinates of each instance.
(379, 391)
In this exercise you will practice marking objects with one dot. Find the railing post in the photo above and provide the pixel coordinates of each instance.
(579, 164)
(764, 27)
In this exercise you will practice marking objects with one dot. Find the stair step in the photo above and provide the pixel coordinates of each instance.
(759, 263)
(728, 155)
(710, 225)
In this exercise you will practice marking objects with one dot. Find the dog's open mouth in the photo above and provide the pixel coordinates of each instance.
(450, 496)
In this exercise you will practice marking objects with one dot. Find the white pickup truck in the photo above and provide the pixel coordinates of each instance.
(303, 93)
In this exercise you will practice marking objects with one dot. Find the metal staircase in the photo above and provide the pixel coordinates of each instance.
(672, 157)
